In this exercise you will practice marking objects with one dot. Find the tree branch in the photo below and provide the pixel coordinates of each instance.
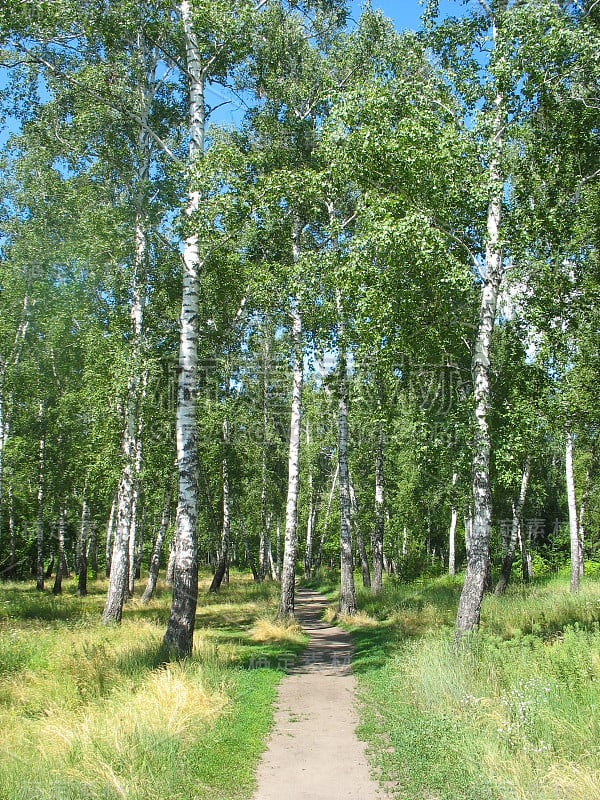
(122, 110)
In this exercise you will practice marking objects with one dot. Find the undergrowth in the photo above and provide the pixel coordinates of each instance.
(515, 715)
(89, 711)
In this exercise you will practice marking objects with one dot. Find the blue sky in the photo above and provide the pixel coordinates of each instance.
(407, 13)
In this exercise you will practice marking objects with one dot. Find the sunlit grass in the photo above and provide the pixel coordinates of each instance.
(88, 711)
(514, 715)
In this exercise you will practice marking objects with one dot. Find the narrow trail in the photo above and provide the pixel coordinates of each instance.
(313, 752)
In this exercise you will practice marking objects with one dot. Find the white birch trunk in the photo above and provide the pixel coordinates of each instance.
(362, 550)
(347, 604)
(223, 564)
(469, 608)
(319, 557)
(515, 533)
(180, 627)
(82, 549)
(119, 582)
(110, 530)
(12, 533)
(265, 557)
(62, 569)
(452, 533)
(5, 416)
(134, 533)
(581, 520)
(308, 552)
(157, 550)
(288, 572)
(379, 526)
(572, 503)
(40, 503)
(278, 554)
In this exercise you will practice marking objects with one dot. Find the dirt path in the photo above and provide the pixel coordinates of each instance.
(313, 752)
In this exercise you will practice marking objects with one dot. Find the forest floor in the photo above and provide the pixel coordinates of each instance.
(313, 752)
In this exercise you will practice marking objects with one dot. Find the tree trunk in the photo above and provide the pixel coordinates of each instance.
(135, 532)
(469, 607)
(452, 534)
(248, 552)
(319, 557)
(110, 531)
(311, 515)
(526, 561)
(288, 572)
(362, 550)
(264, 556)
(581, 517)
(509, 556)
(347, 603)
(157, 549)
(180, 627)
(62, 570)
(572, 503)
(223, 563)
(93, 550)
(379, 526)
(82, 562)
(12, 532)
(40, 505)
(121, 560)
(170, 571)
(5, 415)
(278, 553)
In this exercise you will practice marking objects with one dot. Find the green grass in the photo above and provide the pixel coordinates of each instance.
(88, 711)
(516, 716)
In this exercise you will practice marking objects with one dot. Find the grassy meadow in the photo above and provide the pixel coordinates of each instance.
(93, 712)
(514, 716)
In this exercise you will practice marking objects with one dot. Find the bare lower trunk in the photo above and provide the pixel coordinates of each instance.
(5, 414)
(62, 570)
(347, 603)
(40, 509)
(117, 588)
(526, 562)
(120, 584)
(264, 565)
(110, 532)
(12, 533)
(452, 534)
(308, 551)
(180, 627)
(319, 557)
(135, 531)
(93, 550)
(278, 552)
(581, 518)
(170, 571)
(476, 577)
(509, 556)
(247, 550)
(288, 572)
(572, 503)
(379, 526)
(157, 550)
(223, 563)
(82, 550)
(362, 550)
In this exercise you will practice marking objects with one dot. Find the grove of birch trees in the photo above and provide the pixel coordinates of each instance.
(286, 289)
